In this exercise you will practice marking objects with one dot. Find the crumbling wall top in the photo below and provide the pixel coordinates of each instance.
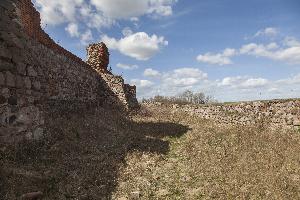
(98, 56)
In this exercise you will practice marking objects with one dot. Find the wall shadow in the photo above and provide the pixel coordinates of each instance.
(82, 154)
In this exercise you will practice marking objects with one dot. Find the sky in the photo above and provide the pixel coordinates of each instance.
(232, 50)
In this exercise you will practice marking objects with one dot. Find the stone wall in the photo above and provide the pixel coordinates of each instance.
(130, 93)
(31, 21)
(98, 57)
(276, 113)
(37, 76)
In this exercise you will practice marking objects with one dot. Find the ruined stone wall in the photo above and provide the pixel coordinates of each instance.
(130, 93)
(276, 113)
(124, 94)
(98, 57)
(31, 21)
(36, 77)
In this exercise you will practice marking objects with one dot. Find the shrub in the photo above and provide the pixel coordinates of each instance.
(186, 97)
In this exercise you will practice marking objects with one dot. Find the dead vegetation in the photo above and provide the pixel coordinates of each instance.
(155, 154)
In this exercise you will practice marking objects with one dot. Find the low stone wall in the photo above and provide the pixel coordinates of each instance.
(35, 78)
(275, 112)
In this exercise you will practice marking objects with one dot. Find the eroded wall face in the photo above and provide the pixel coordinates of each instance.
(275, 113)
(37, 76)
(98, 57)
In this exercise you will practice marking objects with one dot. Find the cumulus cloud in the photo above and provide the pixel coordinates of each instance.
(219, 58)
(95, 15)
(86, 37)
(127, 31)
(291, 42)
(139, 45)
(291, 80)
(272, 51)
(232, 88)
(101, 12)
(183, 77)
(169, 82)
(243, 82)
(268, 32)
(287, 51)
(127, 9)
(72, 29)
(149, 72)
(142, 83)
(56, 12)
(127, 67)
(145, 88)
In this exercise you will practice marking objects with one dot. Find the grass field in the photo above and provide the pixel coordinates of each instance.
(155, 154)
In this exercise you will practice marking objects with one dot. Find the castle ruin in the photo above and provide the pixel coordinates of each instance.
(38, 75)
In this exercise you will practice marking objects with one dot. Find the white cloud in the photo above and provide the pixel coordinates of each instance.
(86, 37)
(142, 84)
(183, 77)
(169, 82)
(58, 11)
(72, 29)
(287, 51)
(127, 31)
(291, 80)
(127, 9)
(268, 32)
(151, 73)
(243, 82)
(139, 45)
(134, 19)
(272, 51)
(127, 67)
(219, 59)
(98, 14)
(145, 88)
(236, 88)
(291, 42)
(249, 88)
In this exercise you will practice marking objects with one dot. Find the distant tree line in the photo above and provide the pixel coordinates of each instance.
(186, 97)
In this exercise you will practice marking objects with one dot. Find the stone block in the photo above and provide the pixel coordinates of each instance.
(28, 115)
(2, 79)
(27, 82)
(2, 99)
(5, 92)
(10, 79)
(6, 66)
(38, 133)
(296, 122)
(7, 5)
(12, 100)
(31, 71)
(21, 68)
(36, 85)
(5, 53)
(20, 81)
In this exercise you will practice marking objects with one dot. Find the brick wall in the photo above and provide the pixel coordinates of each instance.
(31, 21)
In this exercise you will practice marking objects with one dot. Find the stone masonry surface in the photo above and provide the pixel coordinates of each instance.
(275, 113)
(98, 57)
(37, 75)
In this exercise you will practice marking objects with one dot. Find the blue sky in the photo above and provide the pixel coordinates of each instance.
(231, 49)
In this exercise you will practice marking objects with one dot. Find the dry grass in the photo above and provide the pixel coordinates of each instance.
(214, 162)
(156, 154)
(81, 156)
